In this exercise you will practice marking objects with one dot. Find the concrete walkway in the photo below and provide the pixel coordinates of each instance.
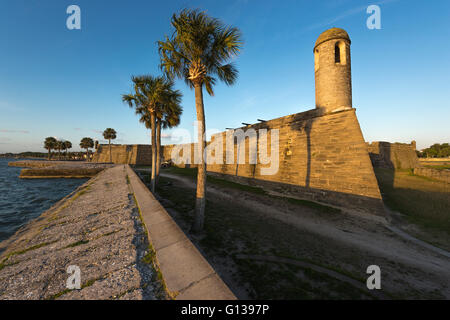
(187, 275)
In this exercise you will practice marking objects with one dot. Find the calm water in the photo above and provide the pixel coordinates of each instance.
(24, 199)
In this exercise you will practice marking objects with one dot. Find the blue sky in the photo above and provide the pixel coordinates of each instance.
(68, 83)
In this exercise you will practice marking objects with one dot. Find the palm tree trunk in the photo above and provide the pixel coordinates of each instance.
(153, 177)
(110, 154)
(200, 201)
(158, 149)
(48, 153)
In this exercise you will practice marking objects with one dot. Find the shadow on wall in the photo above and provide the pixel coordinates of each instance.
(321, 156)
(393, 155)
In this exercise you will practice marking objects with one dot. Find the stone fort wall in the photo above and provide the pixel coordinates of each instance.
(393, 155)
(322, 157)
(124, 154)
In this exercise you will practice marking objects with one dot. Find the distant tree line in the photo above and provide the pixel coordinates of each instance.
(51, 143)
(435, 151)
(28, 154)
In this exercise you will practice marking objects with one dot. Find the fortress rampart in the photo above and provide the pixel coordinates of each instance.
(322, 157)
(124, 154)
(393, 155)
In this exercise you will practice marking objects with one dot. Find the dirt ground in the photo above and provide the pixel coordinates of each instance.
(269, 247)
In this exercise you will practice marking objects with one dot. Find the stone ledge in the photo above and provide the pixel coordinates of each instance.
(186, 273)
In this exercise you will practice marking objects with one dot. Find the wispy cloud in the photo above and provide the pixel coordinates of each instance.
(77, 129)
(344, 15)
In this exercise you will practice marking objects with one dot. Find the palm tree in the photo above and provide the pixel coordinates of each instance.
(200, 49)
(109, 134)
(167, 117)
(59, 146)
(87, 143)
(67, 145)
(150, 94)
(49, 144)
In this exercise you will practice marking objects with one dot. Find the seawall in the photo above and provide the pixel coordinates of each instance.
(58, 169)
(100, 230)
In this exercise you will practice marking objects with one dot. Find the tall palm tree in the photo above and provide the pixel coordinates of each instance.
(67, 145)
(49, 144)
(199, 50)
(59, 146)
(87, 143)
(149, 94)
(109, 134)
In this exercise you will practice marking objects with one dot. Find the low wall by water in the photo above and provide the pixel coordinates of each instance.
(58, 169)
(124, 243)
(441, 175)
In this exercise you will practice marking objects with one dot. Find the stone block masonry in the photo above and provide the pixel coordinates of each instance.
(441, 175)
(393, 155)
(124, 154)
(322, 157)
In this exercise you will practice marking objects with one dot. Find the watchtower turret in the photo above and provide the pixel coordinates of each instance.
(332, 68)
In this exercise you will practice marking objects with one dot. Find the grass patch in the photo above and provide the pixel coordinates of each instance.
(59, 294)
(75, 244)
(63, 292)
(192, 173)
(438, 167)
(28, 249)
(4, 263)
(424, 201)
(231, 229)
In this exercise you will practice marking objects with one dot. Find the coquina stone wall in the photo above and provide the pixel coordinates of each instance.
(322, 157)
(393, 155)
(124, 154)
(441, 175)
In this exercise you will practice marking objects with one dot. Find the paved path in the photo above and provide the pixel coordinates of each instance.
(98, 229)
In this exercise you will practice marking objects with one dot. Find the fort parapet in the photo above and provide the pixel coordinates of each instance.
(124, 154)
(393, 155)
(322, 157)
